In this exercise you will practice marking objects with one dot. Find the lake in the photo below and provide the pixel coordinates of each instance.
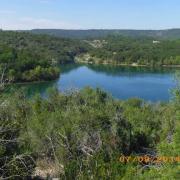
(121, 82)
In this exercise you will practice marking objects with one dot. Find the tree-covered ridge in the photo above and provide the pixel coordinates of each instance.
(129, 51)
(81, 135)
(102, 33)
(27, 57)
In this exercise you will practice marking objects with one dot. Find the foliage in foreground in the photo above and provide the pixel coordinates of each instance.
(81, 135)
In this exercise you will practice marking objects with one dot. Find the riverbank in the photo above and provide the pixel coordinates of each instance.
(123, 64)
(33, 82)
(97, 63)
(77, 60)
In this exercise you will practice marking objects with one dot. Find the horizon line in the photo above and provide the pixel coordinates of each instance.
(90, 29)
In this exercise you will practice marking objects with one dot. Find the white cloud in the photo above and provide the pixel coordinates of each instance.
(46, 23)
(26, 23)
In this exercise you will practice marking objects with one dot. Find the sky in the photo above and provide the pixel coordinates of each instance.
(89, 14)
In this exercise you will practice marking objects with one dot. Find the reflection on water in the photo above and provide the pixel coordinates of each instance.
(122, 82)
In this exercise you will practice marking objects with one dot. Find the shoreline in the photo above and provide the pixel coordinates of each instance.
(92, 63)
(33, 82)
(130, 65)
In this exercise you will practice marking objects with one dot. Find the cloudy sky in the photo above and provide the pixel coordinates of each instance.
(89, 14)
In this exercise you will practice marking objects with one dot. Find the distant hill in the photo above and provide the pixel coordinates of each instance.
(97, 33)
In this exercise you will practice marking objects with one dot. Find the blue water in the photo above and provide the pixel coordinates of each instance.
(121, 82)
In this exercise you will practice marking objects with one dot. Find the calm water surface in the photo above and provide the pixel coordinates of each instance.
(121, 82)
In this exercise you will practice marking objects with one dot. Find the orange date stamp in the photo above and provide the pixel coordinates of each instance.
(149, 159)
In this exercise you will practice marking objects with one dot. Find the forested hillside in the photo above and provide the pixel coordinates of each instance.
(27, 57)
(127, 51)
(96, 33)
